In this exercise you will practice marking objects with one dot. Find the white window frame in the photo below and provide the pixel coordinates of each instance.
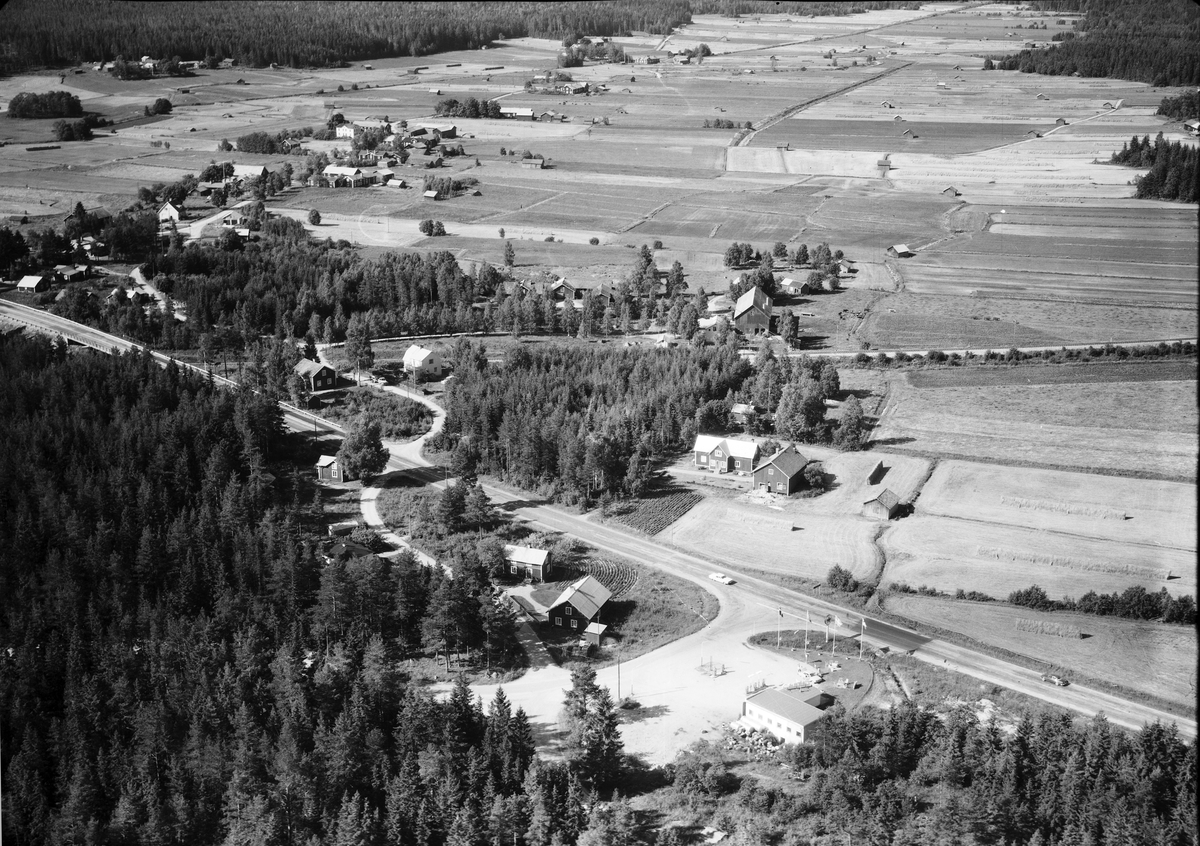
(574, 624)
(567, 610)
(558, 621)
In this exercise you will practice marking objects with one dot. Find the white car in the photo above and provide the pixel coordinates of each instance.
(720, 577)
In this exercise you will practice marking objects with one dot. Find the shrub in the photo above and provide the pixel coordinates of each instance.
(549, 239)
(593, 240)
(438, 228)
(840, 579)
(658, 245)
(314, 217)
(425, 227)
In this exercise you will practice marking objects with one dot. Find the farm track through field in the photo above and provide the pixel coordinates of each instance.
(645, 218)
(767, 123)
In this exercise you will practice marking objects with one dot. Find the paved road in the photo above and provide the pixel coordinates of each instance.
(751, 604)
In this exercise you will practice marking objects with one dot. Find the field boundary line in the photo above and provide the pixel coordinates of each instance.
(644, 219)
(768, 122)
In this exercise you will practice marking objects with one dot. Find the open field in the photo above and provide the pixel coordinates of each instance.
(756, 536)
(1137, 511)
(1156, 658)
(1057, 416)
(885, 135)
(946, 554)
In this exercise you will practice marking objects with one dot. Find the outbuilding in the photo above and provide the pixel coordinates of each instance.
(533, 563)
(33, 284)
(882, 507)
(330, 469)
(900, 251)
(752, 312)
(1192, 127)
(951, 191)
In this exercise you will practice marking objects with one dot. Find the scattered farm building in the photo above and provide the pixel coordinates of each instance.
(886, 104)
(882, 507)
(372, 123)
(1042, 96)
(516, 112)
(423, 363)
(98, 214)
(1107, 106)
(795, 287)
(951, 191)
(900, 251)
(579, 604)
(752, 312)
(741, 412)
(316, 376)
(1060, 122)
(342, 176)
(33, 284)
(1033, 133)
(71, 272)
(786, 714)
(1192, 127)
(431, 195)
(533, 563)
(330, 469)
(242, 171)
(877, 473)
(169, 212)
(725, 455)
(535, 163)
(782, 473)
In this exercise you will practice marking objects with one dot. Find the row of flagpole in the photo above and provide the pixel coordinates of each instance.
(837, 623)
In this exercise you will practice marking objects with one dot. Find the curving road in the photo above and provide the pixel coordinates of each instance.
(747, 606)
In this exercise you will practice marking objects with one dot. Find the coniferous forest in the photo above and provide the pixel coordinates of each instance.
(1153, 43)
(1174, 171)
(39, 33)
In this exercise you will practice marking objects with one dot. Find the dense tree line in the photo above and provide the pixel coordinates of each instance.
(1174, 171)
(907, 776)
(1123, 39)
(60, 104)
(1134, 603)
(62, 32)
(181, 666)
(1184, 107)
(582, 421)
(468, 108)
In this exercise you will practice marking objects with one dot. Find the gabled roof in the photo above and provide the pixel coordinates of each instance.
(308, 367)
(788, 704)
(526, 555)
(886, 498)
(416, 355)
(29, 281)
(430, 195)
(742, 408)
(240, 170)
(326, 460)
(586, 594)
(733, 446)
(341, 170)
(788, 461)
(754, 298)
(901, 248)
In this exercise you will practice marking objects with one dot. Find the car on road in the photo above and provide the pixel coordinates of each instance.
(720, 577)
(1055, 680)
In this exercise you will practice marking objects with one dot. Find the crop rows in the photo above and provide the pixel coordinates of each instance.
(653, 515)
(617, 576)
(1018, 557)
(1042, 627)
(1064, 508)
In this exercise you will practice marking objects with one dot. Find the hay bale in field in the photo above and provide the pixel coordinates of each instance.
(1067, 630)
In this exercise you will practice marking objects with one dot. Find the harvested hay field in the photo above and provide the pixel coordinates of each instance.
(1133, 423)
(949, 554)
(1161, 514)
(656, 512)
(883, 135)
(1155, 658)
(790, 543)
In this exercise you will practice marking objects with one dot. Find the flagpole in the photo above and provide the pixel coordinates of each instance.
(778, 622)
(862, 633)
(807, 621)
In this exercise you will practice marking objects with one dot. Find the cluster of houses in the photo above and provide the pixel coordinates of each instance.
(576, 607)
(781, 473)
(546, 83)
(39, 283)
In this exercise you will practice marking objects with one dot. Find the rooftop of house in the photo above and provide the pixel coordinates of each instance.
(308, 367)
(526, 555)
(733, 446)
(788, 460)
(792, 705)
(886, 498)
(754, 298)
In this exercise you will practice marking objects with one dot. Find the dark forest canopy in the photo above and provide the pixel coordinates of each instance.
(1123, 39)
(1174, 168)
(39, 33)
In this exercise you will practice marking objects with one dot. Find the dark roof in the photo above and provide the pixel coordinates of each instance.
(587, 595)
(308, 367)
(886, 498)
(787, 460)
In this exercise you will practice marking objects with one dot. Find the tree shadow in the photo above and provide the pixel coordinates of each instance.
(637, 715)
(872, 444)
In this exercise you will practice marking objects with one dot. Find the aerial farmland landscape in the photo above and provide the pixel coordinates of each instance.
(668, 422)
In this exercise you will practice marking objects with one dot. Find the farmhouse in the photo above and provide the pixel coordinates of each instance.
(882, 507)
(536, 163)
(515, 112)
(423, 363)
(97, 214)
(33, 284)
(900, 251)
(1192, 127)
(71, 272)
(316, 376)
(580, 604)
(752, 312)
(725, 455)
(533, 563)
(330, 469)
(782, 473)
(169, 212)
(785, 714)
(345, 130)
(250, 171)
(341, 176)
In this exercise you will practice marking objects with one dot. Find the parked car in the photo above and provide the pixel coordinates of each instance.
(1055, 680)
(720, 577)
